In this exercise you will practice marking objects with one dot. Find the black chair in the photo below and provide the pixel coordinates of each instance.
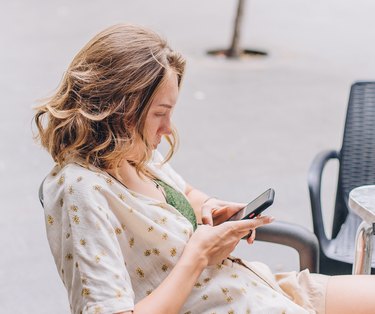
(40, 194)
(295, 236)
(356, 168)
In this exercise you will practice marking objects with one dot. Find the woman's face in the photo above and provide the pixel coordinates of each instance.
(158, 119)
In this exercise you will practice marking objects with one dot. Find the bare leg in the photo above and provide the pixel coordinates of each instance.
(351, 294)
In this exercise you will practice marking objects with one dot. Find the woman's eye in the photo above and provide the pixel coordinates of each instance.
(160, 114)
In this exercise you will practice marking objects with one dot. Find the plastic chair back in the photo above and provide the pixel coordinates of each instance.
(357, 155)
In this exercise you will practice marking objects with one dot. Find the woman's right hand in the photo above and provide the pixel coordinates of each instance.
(215, 243)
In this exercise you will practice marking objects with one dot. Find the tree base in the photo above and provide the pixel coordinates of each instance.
(228, 53)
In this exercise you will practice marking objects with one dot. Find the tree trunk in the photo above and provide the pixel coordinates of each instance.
(235, 51)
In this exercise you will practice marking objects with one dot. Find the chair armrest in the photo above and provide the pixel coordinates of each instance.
(295, 236)
(40, 193)
(314, 180)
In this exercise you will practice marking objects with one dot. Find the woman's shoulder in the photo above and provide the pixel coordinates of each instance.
(71, 174)
(73, 181)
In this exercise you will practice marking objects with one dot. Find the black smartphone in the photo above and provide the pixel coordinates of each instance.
(255, 207)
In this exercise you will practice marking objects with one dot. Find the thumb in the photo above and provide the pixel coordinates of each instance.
(207, 215)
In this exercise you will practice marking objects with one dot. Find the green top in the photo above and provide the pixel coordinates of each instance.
(178, 201)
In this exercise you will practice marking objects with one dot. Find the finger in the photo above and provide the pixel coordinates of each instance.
(224, 213)
(247, 224)
(222, 203)
(207, 215)
(221, 214)
(217, 212)
(236, 205)
(251, 237)
(234, 210)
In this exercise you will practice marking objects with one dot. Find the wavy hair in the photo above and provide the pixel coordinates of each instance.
(99, 109)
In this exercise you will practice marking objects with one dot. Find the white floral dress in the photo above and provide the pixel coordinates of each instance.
(113, 247)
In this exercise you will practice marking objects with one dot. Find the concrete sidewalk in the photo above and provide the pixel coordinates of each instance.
(244, 125)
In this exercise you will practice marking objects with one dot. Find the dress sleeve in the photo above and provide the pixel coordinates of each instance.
(92, 263)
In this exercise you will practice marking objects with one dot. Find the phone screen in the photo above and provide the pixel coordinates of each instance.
(255, 207)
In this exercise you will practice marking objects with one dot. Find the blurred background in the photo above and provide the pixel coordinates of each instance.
(245, 125)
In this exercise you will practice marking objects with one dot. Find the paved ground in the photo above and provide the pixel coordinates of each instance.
(244, 125)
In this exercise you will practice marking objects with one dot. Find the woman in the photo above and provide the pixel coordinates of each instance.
(128, 234)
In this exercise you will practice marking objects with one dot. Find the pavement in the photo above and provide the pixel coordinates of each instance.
(244, 125)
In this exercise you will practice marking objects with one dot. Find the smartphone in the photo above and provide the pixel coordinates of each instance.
(255, 207)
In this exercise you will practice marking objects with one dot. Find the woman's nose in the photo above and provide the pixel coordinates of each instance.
(168, 130)
(167, 127)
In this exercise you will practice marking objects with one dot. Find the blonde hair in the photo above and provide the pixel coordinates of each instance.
(98, 112)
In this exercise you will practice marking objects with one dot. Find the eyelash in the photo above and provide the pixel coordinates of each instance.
(160, 114)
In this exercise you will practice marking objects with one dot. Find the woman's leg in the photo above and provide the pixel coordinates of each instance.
(351, 294)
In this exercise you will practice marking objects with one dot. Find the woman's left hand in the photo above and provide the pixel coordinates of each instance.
(215, 211)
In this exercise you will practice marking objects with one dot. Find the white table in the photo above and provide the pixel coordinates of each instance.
(362, 202)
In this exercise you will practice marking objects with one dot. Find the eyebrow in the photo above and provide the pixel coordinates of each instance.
(166, 106)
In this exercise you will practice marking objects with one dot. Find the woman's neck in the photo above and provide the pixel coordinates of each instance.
(128, 176)
(126, 173)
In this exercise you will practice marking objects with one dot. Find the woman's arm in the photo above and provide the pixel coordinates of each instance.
(172, 293)
(196, 199)
(207, 246)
